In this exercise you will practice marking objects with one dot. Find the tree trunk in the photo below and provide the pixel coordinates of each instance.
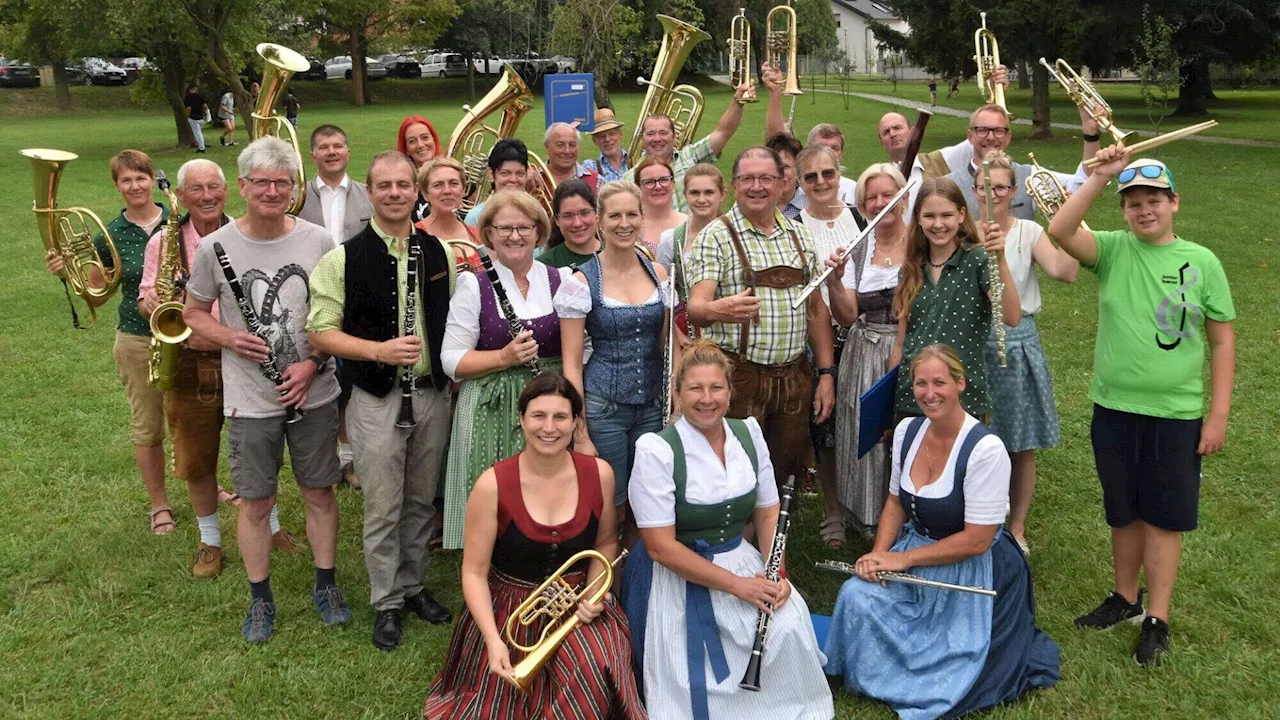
(1192, 94)
(1024, 77)
(61, 89)
(602, 95)
(471, 75)
(1040, 120)
(222, 65)
(358, 97)
(175, 82)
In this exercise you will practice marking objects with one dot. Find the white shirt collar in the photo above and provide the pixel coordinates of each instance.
(321, 185)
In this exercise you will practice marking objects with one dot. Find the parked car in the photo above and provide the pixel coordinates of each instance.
(491, 65)
(133, 66)
(401, 66)
(16, 74)
(340, 67)
(564, 63)
(315, 72)
(100, 72)
(444, 65)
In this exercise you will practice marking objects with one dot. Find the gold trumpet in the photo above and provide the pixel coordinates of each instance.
(280, 65)
(779, 43)
(740, 54)
(1046, 191)
(683, 104)
(555, 601)
(1083, 94)
(987, 58)
(168, 328)
(68, 232)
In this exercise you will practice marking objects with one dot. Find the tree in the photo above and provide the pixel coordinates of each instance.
(816, 30)
(1158, 65)
(595, 31)
(49, 32)
(164, 34)
(1218, 31)
(228, 30)
(476, 27)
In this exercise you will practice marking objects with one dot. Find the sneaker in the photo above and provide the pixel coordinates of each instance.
(1113, 611)
(222, 141)
(285, 542)
(259, 622)
(331, 605)
(1153, 643)
(208, 561)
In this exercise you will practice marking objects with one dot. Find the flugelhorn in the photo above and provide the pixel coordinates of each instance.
(554, 601)
(740, 55)
(1083, 94)
(987, 58)
(69, 233)
(280, 63)
(683, 104)
(169, 328)
(1046, 191)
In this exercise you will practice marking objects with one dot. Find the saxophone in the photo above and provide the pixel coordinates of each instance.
(168, 329)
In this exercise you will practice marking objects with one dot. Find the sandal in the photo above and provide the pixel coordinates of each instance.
(831, 529)
(226, 497)
(163, 527)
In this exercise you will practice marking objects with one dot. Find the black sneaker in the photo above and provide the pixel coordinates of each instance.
(1153, 643)
(259, 622)
(1113, 611)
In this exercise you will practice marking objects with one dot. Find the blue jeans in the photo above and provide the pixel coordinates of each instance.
(614, 429)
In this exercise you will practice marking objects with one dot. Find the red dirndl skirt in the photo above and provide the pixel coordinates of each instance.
(588, 676)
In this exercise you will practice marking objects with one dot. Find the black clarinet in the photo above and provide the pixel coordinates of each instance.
(410, 330)
(514, 326)
(772, 570)
(251, 323)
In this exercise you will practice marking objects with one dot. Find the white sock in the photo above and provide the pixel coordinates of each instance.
(275, 519)
(210, 531)
(344, 453)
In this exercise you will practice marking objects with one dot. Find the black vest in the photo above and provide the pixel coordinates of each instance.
(372, 305)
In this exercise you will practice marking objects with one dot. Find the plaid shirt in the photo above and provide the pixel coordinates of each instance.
(689, 155)
(782, 335)
(609, 173)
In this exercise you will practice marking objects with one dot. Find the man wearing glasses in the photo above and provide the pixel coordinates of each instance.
(747, 268)
(272, 253)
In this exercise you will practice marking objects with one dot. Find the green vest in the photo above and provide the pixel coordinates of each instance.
(716, 523)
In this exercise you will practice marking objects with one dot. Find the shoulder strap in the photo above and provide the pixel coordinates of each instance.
(671, 436)
(748, 277)
(589, 494)
(743, 433)
(971, 440)
(648, 268)
(795, 242)
(913, 429)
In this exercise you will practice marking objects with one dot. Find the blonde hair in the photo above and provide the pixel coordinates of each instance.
(999, 160)
(707, 170)
(824, 131)
(911, 276)
(435, 163)
(702, 352)
(872, 172)
(520, 200)
(973, 117)
(943, 352)
(618, 187)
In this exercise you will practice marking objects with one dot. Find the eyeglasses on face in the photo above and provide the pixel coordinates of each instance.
(509, 230)
(750, 180)
(580, 215)
(812, 177)
(663, 181)
(996, 132)
(997, 190)
(263, 183)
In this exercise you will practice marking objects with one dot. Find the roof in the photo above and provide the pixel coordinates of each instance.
(868, 9)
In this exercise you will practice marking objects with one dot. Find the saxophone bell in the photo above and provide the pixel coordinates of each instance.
(168, 328)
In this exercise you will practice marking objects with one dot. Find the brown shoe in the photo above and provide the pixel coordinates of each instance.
(349, 476)
(208, 562)
(285, 542)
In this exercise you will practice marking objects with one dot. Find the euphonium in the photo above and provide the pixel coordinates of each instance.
(280, 65)
(555, 601)
(67, 232)
(740, 54)
(780, 43)
(987, 58)
(1083, 94)
(472, 140)
(168, 329)
(682, 103)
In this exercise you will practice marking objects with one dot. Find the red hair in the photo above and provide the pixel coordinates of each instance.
(402, 146)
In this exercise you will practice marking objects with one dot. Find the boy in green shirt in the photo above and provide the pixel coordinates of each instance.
(1161, 301)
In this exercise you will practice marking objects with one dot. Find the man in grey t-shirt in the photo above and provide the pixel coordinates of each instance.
(272, 254)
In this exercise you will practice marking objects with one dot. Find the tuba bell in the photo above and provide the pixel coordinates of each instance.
(280, 63)
(68, 232)
(780, 43)
(987, 58)
(682, 103)
(740, 54)
(1083, 94)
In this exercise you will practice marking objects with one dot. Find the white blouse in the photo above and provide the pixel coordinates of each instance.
(828, 236)
(462, 329)
(875, 276)
(652, 488)
(573, 299)
(1018, 245)
(986, 483)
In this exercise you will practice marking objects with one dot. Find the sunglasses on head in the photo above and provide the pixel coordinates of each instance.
(1151, 172)
(812, 177)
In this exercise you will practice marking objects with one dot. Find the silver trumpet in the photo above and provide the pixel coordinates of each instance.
(816, 283)
(844, 568)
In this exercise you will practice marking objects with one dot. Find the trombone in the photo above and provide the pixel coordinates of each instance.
(740, 55)
(1083, 94)
(987, 58)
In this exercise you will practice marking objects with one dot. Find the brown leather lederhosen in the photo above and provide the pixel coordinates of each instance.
(778, 277)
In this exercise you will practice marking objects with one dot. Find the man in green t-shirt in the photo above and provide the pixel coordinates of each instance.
(1161, 301)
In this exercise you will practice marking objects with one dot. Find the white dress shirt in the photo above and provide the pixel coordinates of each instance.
(333, 203)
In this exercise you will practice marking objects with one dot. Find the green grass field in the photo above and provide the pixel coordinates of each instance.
(100, 619)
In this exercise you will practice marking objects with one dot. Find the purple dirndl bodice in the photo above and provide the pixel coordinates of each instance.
(494, 334)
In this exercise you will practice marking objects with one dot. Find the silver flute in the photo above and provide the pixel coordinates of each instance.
(845, 568)
(993, 273)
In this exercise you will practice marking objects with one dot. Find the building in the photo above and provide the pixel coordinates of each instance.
(853, 29)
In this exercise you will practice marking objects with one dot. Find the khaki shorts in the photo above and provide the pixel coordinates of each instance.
(146, 404)
(256, 451)
(193, 407)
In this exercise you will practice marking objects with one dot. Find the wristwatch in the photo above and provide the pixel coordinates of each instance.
(319, 363)
(827, 371)
(1091, 138)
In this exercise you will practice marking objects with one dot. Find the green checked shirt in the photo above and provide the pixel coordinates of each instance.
(782, 334)
(328, 293)
(688, 156)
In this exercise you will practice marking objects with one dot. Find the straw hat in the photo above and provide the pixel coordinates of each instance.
(605, 120)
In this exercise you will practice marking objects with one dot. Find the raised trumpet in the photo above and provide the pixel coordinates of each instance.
(987, 58)
(1046, 191)
(740, 55)
(1083, 94)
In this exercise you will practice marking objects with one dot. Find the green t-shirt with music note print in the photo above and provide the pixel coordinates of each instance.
(1153, 301)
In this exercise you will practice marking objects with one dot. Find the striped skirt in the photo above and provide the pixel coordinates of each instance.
(1023, 413)
(588, 677)
(861, 483)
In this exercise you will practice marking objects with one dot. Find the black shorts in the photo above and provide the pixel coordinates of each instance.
(1148, 467)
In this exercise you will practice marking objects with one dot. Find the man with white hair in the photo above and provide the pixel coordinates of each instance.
(272, 254)
(562, 141)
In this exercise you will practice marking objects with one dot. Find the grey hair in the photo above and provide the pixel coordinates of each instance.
(197, 164)
(546, 136)
(268, 153)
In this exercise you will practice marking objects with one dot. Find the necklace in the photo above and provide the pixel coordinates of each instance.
(935, 265)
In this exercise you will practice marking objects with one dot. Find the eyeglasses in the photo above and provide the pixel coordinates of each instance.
(996, 132)
(509, 230)
(812, 177)
(1150, 172)
(762, 180)
(263, 183)
(663, 181)
(580, 215)
(997, 190)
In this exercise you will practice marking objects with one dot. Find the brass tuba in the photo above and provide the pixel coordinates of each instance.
(280, 63)
(740, 54)
(554, 602)
(168, 328)
(68, 232)
(987, 57)
(779, 43)
(1083, 94)
(682, 103)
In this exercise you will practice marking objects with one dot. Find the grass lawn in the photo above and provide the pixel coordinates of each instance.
(103, 620)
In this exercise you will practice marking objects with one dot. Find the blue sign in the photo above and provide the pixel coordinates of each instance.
(571, 97)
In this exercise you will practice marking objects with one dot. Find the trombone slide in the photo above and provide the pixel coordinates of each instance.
(1157, 141)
